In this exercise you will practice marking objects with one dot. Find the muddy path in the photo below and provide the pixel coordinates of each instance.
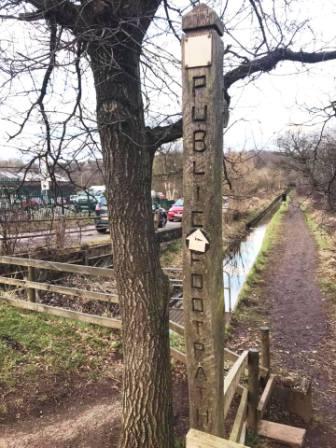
(302, 321)
(91, 419)
(287, 296)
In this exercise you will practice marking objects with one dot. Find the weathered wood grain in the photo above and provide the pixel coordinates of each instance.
(232, 379)
(66, 290)
(253, 389)
(59, 267)
(198, 439)
(289, 435)
(240, 418)
(203, 107)
(266, 395)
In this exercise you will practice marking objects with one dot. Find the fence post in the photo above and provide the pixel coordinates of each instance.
(253, 389)
(265, 348)
(31, 291)
(62, 203)
(85, 257)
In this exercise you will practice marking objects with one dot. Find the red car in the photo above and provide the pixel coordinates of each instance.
(176, 211)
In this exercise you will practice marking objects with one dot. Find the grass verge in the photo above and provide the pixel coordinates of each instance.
(321, 236)
(171, 255)
(326, 249)
(36, 348)
(31, 342)
(254, 278)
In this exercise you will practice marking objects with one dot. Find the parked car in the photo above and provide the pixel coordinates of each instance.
(102, 220)
(30, 204)
(160, 215)
(85, 201)
(73, 198)
(175, 212)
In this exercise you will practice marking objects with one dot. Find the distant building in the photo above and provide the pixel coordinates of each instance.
(21, 182)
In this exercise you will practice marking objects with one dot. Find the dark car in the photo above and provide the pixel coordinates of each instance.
(160, 215)
(102, 220)
(85, 201)
(175, 213)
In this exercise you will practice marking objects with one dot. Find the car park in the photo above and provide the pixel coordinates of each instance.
(102, 219)
(175, 213)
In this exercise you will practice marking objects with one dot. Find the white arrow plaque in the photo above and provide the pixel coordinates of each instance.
(197, 241)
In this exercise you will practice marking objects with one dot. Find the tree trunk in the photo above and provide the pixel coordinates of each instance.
(143, 288)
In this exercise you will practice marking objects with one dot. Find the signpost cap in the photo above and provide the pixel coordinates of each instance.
(202, 17)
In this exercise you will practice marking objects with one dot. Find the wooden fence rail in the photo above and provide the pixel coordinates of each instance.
(57, 266)
(198, 439)
(107, 322)
(69, 267)
(245, 368)
(232, 380)
(65, 290)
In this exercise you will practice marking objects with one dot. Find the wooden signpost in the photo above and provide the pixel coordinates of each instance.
(203, 108)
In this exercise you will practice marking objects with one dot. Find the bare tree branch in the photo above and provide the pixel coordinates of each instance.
(164, 134)
(270, 61)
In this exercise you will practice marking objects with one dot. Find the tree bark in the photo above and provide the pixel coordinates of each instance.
(143, 288)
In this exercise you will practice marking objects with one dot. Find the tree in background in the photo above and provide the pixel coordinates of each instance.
(168, 171)
(313, 157)
(111, 46)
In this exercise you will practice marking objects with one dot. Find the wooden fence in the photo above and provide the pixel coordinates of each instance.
(244, 379)
(32, 286)
(250, 378)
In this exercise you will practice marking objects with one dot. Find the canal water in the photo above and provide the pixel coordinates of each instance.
(237, 266)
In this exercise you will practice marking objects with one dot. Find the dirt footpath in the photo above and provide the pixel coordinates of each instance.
(81, 425)
(302, 322)
(91, 420)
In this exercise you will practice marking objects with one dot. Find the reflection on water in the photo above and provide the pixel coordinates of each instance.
(237, 266)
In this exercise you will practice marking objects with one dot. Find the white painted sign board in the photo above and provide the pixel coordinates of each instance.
(198, 241)
(44, 185)
(198, 51)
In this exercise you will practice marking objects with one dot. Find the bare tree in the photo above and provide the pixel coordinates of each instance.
(313, 157)
(168, 171)
(113, 45)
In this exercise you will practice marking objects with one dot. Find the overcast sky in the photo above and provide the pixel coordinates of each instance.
(271, 105)
(278, 102)
(260, 111)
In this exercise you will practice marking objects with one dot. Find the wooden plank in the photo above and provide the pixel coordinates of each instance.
(289, 435)
(59, 267)
(253, 390)
(178, 356)
(177, 328)
(266, 395)
(243, 433)
(69, 291)
(232, 356)
(240, 418)
(61, 312)
(232, 379)
(265, 348)
(31, 292)
(198, 439)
